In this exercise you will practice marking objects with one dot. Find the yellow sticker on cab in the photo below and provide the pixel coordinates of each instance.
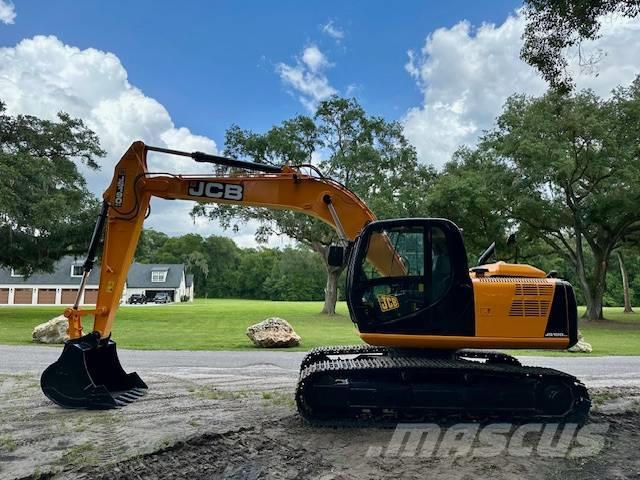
(388, 302)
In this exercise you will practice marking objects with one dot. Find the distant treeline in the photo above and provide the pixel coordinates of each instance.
(221, 269)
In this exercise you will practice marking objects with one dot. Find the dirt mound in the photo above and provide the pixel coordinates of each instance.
(245, 454)
(290, 449)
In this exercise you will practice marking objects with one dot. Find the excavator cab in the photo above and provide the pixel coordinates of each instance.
(421, 312)
(407, 287)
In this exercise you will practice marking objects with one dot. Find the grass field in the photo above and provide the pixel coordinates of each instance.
(215, 324)
(221, 324)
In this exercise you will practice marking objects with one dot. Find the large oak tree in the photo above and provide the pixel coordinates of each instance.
(367, 154)
(572, 164)
(46, 210)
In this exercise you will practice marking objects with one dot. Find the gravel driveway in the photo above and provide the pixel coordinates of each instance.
(231, 415)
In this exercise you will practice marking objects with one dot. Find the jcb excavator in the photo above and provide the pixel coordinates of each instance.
(427, 320)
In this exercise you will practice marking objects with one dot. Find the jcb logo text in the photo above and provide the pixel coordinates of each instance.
(225, 191)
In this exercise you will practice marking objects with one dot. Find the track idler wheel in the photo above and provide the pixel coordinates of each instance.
(88, 374)
(555, 398)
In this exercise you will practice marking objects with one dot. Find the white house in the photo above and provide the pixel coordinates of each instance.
(60, 287)
(149, 279)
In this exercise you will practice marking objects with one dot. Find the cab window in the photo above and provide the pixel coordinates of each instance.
(405, 269)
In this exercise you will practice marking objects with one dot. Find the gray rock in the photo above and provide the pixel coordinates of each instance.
(53, 331)
(273, 333)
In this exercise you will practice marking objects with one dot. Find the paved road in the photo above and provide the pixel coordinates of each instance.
(594, 371)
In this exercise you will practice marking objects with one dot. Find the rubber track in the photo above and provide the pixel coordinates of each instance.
(372, 360)
(321, 353)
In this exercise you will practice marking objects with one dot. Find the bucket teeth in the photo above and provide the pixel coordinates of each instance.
(88, 374)
(127, 396)
(137, 393)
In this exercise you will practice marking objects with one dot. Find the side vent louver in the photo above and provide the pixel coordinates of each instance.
(531, 300)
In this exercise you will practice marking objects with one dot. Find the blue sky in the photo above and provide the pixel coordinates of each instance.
(213, 63)
(178, 74)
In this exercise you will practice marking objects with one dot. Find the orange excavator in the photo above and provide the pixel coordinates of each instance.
(427, 320)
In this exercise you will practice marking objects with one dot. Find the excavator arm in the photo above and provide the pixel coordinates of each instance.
(133, 185)
(125, 205)
(127, 201)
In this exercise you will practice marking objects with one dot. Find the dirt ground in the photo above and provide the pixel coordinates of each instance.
(244, 426)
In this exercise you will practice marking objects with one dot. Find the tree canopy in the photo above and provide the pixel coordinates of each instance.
(367, 154)
(46, 210)
(553, 26)
(468, 192)
(567, 170)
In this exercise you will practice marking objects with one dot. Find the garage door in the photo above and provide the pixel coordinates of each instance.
(4, 295)
(68, 296)
(91, 296)
(47, 296)
(22, 296)
(152, 293)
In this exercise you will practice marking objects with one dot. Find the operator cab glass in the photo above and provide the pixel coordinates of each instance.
(401, 271)
(398, 285)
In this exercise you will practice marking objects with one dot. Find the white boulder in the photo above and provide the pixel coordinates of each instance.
(53, 331)
(581, 346)
(273, 333)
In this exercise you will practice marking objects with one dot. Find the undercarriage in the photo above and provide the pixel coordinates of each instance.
(377, 385)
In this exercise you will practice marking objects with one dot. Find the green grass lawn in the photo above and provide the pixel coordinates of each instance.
(214, 324)
(220, 324)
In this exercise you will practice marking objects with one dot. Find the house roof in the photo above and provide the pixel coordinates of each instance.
(189, 280)
(61, 275)
(139, 275)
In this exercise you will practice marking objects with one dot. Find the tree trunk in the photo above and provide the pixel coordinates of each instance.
(625, 283)
(331, 290)
(593, 290)
(333, 276)
(594, 308)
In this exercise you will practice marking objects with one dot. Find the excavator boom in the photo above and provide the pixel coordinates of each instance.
(133, 185)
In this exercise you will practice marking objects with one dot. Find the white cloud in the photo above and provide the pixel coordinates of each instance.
(332, 30)
(314, 59)
(42, 76)
(7, 12)
(307, 77)
(466, 74)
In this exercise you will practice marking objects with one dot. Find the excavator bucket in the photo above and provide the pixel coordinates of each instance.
(88, 374)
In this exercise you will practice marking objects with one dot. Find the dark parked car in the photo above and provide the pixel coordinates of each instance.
(137, 298)
(162, 297)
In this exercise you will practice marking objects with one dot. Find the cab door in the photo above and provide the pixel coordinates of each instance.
(410, 276)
